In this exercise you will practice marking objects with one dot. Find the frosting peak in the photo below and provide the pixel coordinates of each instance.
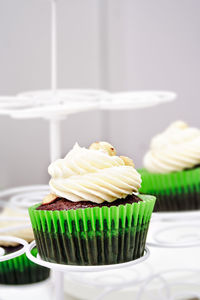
(176, 149)
(96, 174)
(179, 125)
(105, 147)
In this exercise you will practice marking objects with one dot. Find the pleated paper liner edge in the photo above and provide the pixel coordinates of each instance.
(93, 236)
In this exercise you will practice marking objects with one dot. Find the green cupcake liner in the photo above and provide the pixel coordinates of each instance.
(176, 191)
(93, 236)
(20, 270)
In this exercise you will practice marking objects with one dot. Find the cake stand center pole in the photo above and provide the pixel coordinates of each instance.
(55, 124)
(55, 139)
(55, 133)
(58, 278)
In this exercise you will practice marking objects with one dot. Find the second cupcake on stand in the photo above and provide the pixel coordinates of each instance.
(172, 169)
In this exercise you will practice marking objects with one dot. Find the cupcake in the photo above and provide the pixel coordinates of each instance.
(94, 214)
(172, 168)
(19, 270)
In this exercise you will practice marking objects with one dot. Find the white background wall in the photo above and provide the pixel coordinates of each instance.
(113, 44)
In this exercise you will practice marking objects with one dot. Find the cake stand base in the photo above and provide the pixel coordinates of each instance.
(60, 269)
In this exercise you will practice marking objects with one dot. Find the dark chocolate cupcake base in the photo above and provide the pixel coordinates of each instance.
(65, 204)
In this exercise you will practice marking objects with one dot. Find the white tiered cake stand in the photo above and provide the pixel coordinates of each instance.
(60, 269)
(55, 105)
(20, 199)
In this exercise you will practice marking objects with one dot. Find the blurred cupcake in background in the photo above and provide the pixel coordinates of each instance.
(172, 168)
(94, 214)
(19, 270)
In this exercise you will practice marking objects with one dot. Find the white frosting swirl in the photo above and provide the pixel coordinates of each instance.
(176, 149)
(92, 175)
